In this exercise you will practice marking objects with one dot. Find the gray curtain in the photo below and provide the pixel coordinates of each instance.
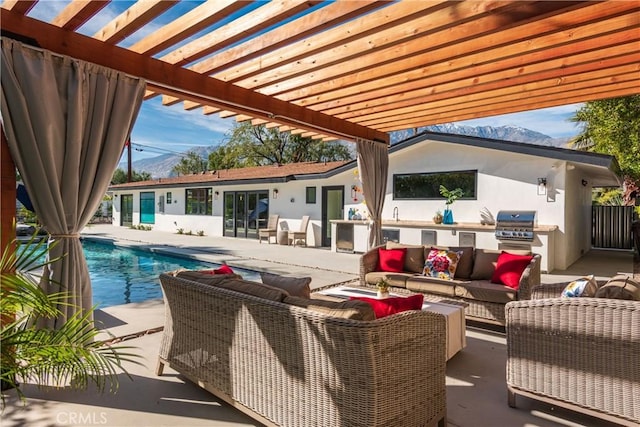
(373, 165)
(66, 122)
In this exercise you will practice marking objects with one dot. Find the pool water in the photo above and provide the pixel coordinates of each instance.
(121, 275)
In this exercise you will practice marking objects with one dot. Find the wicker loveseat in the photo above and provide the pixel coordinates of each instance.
(471, 286)
(286, 365)
(579, 353)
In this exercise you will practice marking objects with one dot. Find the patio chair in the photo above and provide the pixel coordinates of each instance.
(271, 230)
(301, 234)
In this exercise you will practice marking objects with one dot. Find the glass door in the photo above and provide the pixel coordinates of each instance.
(245, 212)
(332, 208)
(229, 218)
(241, 214)
(126, 210)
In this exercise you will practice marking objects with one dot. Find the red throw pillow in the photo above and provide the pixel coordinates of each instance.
(225, 269)
(391, 260)
(388, 306)
(509, 268)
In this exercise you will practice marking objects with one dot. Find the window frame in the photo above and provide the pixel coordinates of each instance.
(473, 172)
(206, 201)
(311, 195)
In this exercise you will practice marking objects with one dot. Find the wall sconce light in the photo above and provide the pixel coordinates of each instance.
(542, 186)
(275, 193)
(216, 194)
(584, 182)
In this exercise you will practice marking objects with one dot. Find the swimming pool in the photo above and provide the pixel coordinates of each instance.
(122, 275)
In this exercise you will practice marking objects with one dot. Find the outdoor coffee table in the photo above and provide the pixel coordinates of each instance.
(454, 314)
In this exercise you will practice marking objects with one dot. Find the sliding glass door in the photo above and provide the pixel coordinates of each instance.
(245, 212)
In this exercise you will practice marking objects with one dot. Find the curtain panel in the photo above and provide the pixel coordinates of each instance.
(373, 167)
(66, 122)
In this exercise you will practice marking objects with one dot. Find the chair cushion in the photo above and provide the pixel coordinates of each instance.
(397, 280)
(345, 309)
(586, 286)
(260, 290)
(391, 259)
(441, 263)
(295, 286)
(620, 287)
(483, 290)
(392, 305)
(205, 276)
(484, 264)
(509, 269)
(432, 285)
(414, 258)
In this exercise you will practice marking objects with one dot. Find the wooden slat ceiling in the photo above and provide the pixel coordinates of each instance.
(356, 69)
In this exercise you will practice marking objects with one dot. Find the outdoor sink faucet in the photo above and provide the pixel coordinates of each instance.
(395, 213)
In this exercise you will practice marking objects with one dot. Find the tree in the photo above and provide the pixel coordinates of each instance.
(612, 126)
(258, 145)
(120, 176)
(192, 162)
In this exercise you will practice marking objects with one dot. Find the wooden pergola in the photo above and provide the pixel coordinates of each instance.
(352, 69)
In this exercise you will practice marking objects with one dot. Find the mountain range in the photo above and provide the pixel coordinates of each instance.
(160, 166)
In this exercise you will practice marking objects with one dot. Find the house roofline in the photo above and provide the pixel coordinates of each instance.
(557, 153)
(583, 157)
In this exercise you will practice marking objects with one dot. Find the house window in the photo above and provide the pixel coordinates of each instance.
(199, 201)
(427, 185)
(168, 197)
(311, 195)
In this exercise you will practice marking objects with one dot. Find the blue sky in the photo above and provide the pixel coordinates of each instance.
(172, 129)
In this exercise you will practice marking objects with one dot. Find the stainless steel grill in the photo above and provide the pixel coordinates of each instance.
(515, 225)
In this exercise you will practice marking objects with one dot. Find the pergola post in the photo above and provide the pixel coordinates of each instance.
(7, 194)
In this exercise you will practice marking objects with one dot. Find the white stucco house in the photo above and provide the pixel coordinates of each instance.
(496, 176)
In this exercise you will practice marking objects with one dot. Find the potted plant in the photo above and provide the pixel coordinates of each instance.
(68, 356)
(383, 288)
(451, 196)
(437, 218)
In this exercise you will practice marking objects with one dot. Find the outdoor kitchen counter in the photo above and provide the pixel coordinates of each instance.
(471, 226)
(353, 236)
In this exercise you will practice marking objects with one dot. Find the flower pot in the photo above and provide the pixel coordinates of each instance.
(383, 294)
(437, 219)
(447, 217)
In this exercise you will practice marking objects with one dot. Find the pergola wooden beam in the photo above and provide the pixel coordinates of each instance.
(132, 19)
(77, 13)
(184, 83)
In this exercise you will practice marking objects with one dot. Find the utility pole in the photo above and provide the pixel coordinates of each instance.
(128, 144)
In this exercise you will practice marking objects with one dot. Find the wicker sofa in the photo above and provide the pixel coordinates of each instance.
(287, 365)
(484, 301)
(577, 353)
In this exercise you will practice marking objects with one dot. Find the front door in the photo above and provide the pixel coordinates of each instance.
(332, 208)
(126, 210)
(147, 207)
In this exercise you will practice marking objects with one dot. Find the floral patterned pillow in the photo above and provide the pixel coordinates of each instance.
(441, 263)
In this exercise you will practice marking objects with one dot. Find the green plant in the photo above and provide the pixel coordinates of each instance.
(200, 233)
(180, 230)
(189, 233)
(383, 285)
(451, 195)
(68, 356)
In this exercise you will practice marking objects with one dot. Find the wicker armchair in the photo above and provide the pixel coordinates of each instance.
(577, 353)
(271, 230)
(289, 366)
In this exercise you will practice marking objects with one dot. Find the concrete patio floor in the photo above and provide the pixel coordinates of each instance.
(476, 391)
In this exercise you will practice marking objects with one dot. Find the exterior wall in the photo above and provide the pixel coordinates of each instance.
(290, 204)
